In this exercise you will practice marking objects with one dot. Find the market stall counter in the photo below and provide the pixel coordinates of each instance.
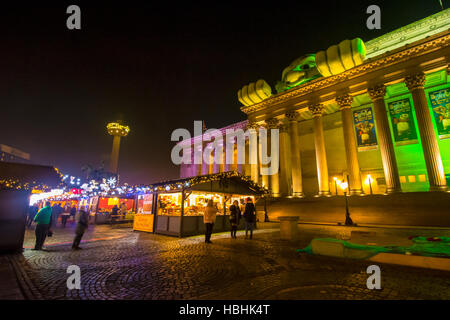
(177, 206)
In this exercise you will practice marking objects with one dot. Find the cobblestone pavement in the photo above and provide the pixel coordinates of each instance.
(117, 263)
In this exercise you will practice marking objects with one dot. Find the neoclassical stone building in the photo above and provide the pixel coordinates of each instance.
(374, 114)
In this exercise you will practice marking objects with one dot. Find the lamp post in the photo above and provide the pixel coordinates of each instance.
(348, 220)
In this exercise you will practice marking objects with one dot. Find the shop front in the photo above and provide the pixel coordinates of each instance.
(101, 211)
(178, 205)
(144, 218)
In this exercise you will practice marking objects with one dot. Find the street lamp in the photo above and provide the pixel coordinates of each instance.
(348, 220)
(369, 181)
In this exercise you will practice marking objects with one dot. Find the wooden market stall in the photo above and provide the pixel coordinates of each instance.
(100, 208)
(17, 182)
(176, 207)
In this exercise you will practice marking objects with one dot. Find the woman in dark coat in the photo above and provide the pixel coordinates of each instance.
(235, 217)
(250, 217)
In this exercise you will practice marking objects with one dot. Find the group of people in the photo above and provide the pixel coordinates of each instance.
(57, 211)
(209, 218)
(47, 217)
(119, 211)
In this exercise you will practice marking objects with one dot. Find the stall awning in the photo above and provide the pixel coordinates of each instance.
(225, 182)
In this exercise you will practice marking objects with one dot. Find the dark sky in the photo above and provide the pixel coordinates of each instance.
(156, 65)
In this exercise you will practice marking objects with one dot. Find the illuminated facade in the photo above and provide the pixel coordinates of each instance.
(374, 114)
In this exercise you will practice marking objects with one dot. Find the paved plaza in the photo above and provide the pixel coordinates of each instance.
(118, 263)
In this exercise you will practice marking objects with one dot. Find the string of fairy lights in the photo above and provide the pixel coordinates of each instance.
(73, 188)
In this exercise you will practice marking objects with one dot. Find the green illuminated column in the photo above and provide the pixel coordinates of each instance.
(275, 157)
(321, 155)
(296, 166)
(351, 151)
(433, 161)
(390, 168)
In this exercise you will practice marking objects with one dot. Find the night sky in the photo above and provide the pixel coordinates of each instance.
(157, 66)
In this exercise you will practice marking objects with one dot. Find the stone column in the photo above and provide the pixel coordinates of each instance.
(275, 157)
(216, 166)
(285, 167)
(246, 166)
(226, 166)
(390, 168)
(205, 165)
(351, 150)
(254, 168)
(321, 155)
(433, 161)
(296, 166)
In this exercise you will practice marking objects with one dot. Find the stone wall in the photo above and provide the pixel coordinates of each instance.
(429, 209)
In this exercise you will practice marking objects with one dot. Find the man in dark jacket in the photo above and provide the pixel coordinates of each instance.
(249, 217)
(82, 225)
(43, 222)
(235, 217)
(32, 211)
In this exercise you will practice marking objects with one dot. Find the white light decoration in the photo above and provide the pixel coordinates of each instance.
(112, 181)
(36, 197)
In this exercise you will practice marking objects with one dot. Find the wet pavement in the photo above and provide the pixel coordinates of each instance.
(119, 263)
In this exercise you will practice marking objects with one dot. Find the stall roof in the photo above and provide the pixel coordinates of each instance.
(28, 175)
(224, 182)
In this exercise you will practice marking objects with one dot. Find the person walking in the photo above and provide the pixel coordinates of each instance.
(82, 225)
(65, 215)
(43, 223)
(250, 217)
(123, 210)
(209, 218)
(235, 217)
(114, 213)
(73, 212)
(32, 211)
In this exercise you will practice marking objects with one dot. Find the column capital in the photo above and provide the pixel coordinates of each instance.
(283, 127)
(377, 92)
(252, 125)
(415, 81)
(272, 123)
(316, 109)
(292, 116)
(344, 101)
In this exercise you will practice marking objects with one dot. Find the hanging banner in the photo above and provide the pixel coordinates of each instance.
(440, 103)
(365, 129)
(402, 121)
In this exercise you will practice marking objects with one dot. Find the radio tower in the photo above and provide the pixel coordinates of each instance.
(117, 130)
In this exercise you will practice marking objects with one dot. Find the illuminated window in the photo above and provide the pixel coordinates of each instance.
(402, 179)
(412, 178)
(422, 178)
